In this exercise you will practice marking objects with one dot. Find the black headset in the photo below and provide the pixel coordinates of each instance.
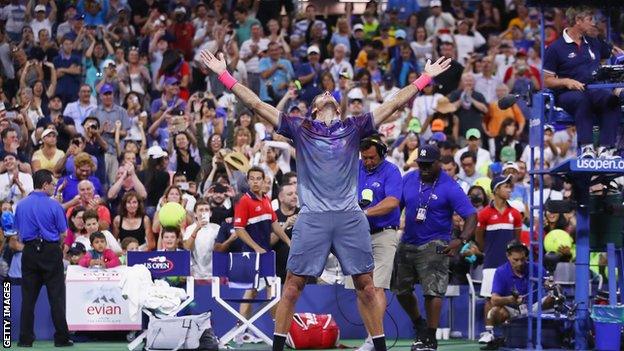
(517, 244)
(382, 148)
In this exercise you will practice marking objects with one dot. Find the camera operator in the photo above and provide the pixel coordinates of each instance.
(510, 290)
(568, 66)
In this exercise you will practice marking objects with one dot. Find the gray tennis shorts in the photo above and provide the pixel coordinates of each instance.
(345, 234)
(422, 264)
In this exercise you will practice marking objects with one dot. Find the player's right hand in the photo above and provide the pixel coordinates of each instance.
(217, 65)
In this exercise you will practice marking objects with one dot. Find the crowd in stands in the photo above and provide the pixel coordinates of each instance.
(111, 97)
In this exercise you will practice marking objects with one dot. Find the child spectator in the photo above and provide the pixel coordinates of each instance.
(76, 252)
(91, 224)
(100, 255)
(170, 239)
(128, 244)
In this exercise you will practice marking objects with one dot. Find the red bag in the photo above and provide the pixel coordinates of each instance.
(313, 331)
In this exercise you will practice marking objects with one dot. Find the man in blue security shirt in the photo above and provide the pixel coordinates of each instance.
(430, 197)
(41, 224)
(379, 194)
(568, 66)
(510, 290)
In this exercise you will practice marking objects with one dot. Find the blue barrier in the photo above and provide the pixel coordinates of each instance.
(315, 298)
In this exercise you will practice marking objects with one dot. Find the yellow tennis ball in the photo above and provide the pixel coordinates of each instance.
(556, 239)
(171, 214)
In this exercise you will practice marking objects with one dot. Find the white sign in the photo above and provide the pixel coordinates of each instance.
(94, 300)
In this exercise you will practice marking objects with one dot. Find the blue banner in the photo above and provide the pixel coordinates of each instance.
(162, 263)
(597, 165)
(535, 121)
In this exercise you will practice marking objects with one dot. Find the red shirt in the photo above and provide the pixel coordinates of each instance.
(255, 215)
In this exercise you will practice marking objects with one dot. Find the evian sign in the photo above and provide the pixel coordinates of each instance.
(105, 306)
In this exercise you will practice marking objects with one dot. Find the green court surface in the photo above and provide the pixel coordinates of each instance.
(402, 345)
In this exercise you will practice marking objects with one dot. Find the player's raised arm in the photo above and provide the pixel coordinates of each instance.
(385, 110)
(248, 97)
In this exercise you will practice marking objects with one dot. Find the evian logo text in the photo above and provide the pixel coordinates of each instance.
(599, 164)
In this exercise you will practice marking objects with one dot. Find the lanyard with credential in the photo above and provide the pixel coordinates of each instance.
(420, 185)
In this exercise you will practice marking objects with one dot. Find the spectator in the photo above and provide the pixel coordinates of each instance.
(183, 30)
(172, 194)
(469, 172)
(132, 222)
(184, 156)
(421, 46)
(48, 156)
(68, 70)
(488, 81)
(487, 18)
(82, 108)
(67, 188)
(250, 53)
(244, 23)
(99, 256)
(174, 66)
(95, 145)
(308, 75)
(219, 198)
(403, 64)
(471, 104)
(199, 238)
(449, 81)
(551, 151)
(155, 178)
(276, 72)
(107, 114)
(444, 113)
(452, 170)
(16, 185)
(304, 25)
(64, 126)
(473, 138)
(15, 16)
(467, 41)
(126, 181)
(438, 20)
(76, 231)
(110, 78)
(98, 56)
(478, 197)
(188, 188)
(507, 138)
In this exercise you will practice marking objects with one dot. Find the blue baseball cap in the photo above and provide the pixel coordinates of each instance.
(437, 137)
(106, 88)
(500, 180)
(8, 223)
(428, 153)
(171, 81)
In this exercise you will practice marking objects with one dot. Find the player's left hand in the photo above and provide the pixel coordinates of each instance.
(439, 66)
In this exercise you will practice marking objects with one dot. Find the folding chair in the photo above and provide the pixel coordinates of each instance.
(474, 277)
(244, 270)
(164, 264)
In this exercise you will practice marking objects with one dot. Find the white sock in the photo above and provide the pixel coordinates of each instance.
(489, 328)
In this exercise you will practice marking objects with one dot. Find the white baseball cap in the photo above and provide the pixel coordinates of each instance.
(355, 94)
(434, 3)
(40, 8)
(48, 132)
(314, 49)
(156, 152)
(358, 26)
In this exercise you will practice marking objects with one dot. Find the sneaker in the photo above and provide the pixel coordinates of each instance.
(495, 344)
(424, 344)
(367, 345)
(250, 338)
(486, 337)
(588, 151)
(607, 153)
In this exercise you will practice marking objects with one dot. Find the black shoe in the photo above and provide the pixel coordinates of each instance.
(24, 344)
(67, 343)
(424, 344)
(494, 344)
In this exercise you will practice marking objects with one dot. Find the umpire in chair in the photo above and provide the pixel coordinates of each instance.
(568, 66)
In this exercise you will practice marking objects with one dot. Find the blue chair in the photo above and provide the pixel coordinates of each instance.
(245, 270)
(556, 115)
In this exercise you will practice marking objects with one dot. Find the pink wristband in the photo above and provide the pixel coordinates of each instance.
(227, 80)
(419, 83)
